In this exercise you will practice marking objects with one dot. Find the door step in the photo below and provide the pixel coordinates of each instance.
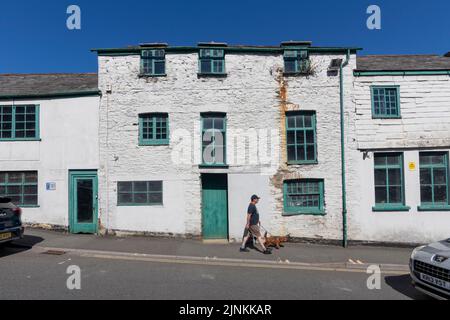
(215, 241)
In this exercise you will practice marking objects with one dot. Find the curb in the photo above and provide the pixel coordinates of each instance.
(206, 260)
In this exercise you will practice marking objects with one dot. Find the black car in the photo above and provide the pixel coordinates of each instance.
(10, 221)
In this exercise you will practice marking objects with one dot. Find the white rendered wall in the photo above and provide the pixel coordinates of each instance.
(69, 140)
(424, 126)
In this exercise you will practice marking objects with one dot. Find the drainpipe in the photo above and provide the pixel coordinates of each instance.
(344, 194)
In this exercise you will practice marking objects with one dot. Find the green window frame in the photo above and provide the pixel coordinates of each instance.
(301, 138)
(153, 129)
(153, 62)
(296, 61)
(304, 196)
(389, 182)
(213, 127)
(19, 122)
(20, 186)
(211, 61)
(139, 193)
(434, 190)
(385, 102)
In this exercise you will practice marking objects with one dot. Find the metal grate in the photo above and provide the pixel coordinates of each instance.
(54, 252)
(428, 269)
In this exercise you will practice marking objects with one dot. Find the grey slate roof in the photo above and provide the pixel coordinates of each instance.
(402, 63)
(47, 85)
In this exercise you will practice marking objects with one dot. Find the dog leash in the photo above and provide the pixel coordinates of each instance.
(265, 230)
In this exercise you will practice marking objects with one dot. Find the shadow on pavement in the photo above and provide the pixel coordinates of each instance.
(19, 246)
(403, 285)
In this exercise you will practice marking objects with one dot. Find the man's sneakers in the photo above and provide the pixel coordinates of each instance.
(267, 251)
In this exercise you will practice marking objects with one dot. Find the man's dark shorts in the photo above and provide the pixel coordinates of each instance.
(254, 230)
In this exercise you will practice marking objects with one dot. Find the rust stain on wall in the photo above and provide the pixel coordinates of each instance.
(277, 178)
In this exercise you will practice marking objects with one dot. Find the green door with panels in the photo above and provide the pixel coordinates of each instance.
(83, 201)
(214, 206)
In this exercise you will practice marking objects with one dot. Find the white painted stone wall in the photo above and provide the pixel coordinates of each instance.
(69, 141)
(424, 126)
(250, 96)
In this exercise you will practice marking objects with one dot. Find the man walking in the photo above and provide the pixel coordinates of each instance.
(252, 226)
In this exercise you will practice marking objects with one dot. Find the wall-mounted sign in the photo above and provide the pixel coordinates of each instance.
(50, 186)
(412, 166)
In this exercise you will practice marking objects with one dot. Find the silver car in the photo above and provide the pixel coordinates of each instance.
(430, 269)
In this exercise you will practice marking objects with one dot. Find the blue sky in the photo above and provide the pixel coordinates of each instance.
(34, 37)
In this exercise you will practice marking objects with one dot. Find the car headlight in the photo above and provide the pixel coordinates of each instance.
(416, 250)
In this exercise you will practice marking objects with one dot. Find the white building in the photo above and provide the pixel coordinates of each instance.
(49, 147)
(275, 109)
(175, 140)
(398, 184)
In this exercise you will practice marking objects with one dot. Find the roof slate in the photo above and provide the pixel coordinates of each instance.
(402, 63)
(47, 85)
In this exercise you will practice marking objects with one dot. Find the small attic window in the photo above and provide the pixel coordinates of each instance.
(296, 61)
(212, 61)
(335, 65)
(153, 62)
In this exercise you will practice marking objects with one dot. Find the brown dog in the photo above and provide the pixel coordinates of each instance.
(276, 242)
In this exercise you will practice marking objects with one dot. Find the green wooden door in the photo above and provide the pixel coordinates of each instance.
(83, 204)
(214, 206)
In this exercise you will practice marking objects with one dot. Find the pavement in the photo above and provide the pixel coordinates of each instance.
(293, 253)
(36, 267)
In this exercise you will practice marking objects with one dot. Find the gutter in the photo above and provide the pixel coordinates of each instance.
(230, 49)
(344, 192)
(358, 73)
(51, 95)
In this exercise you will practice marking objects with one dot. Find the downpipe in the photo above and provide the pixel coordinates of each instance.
(344, 191)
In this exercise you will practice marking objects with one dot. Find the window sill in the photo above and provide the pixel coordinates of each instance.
(212, 166)
(29, 206)
(390, 208)
(305, 213)
(140, 205)
(290, 163)
(386, 118)
(434, 208)
(212, 75)
(295, 74)
(142, 75)
(157, 143)
(20, 140)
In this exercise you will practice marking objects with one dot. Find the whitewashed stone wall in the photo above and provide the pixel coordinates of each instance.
(424, 126)
(250, 96)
